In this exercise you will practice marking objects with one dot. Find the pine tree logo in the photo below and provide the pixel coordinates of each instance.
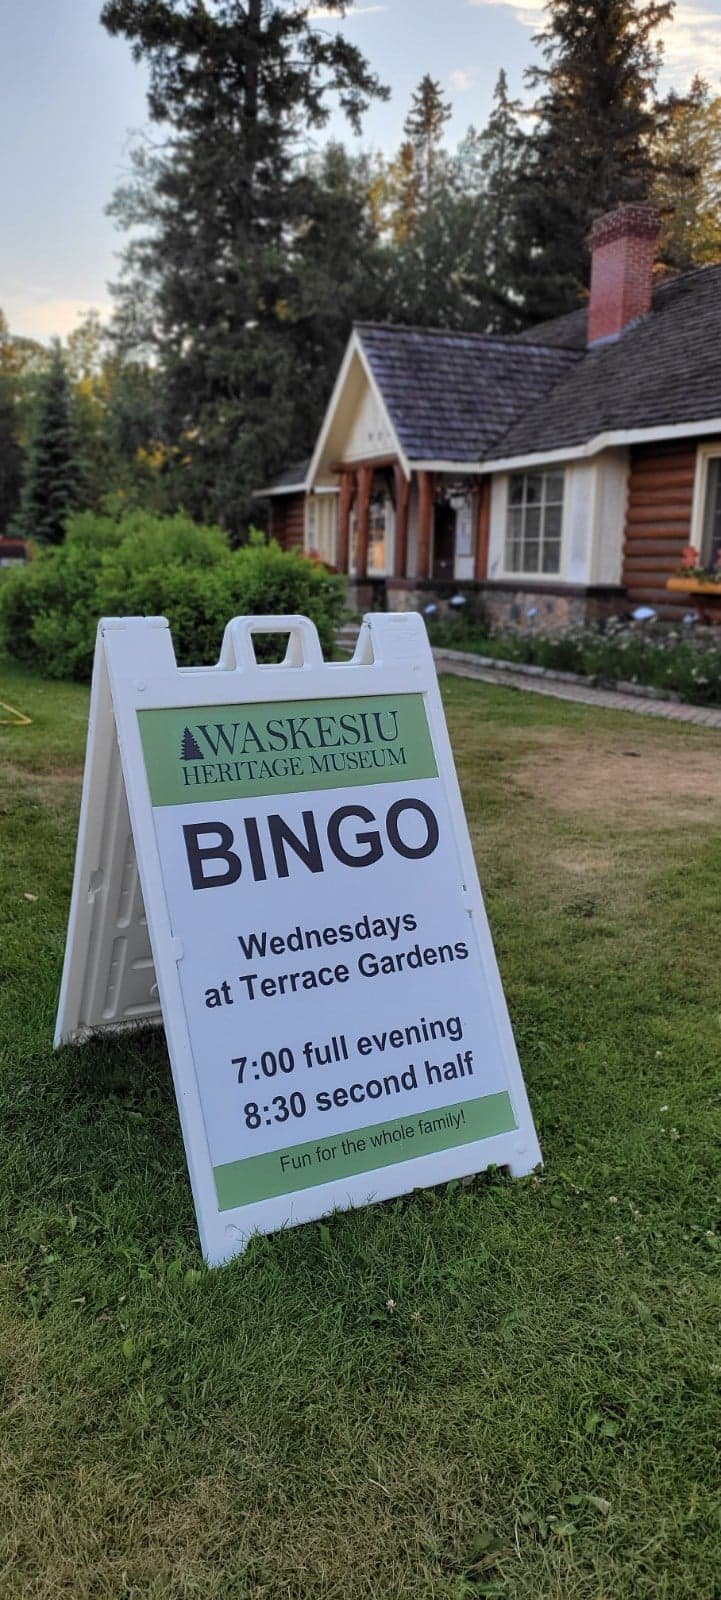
(190, 749)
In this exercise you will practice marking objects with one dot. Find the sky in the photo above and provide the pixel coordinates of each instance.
(71, 98)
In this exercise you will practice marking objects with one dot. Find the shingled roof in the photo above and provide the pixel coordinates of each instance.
(450, 396)
(567, 333)
(474, 398)
(291, 478)
(663, 371)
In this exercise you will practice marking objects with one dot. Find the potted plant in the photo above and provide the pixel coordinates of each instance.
(693, 578)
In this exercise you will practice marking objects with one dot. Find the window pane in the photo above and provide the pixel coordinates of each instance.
(552, 522)
(533, 522)
(515, 489)
(513, 552)
(534, 487)
(464, 528)
(515, 523)
(530, 556)
(377, 524)
(712, 515)
(377, 555)
(552, 555)
(554, 486)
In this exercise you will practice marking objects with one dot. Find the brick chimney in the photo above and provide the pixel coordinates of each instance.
(623, 250)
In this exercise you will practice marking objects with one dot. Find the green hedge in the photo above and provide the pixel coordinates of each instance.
(143, 565)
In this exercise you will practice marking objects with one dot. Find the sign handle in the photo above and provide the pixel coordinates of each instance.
(303, 649)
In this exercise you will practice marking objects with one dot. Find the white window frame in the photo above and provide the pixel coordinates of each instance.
(536, 575)
(321, 524)
(311, 522)
(705, 454)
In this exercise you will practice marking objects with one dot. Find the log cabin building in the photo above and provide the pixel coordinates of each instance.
(559, 472)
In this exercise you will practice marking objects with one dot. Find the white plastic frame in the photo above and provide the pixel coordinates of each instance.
(118, 883)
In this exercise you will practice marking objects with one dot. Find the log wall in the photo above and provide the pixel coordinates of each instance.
(287, 520)
(658, 522)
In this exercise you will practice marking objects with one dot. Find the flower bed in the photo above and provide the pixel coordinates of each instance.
(662, 657)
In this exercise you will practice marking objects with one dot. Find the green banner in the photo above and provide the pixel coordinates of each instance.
(239, 751)
(301, 1166)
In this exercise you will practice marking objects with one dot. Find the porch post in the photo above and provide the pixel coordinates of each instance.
(345, 501)
(483, 528)
(365, 484)
(403, 490)
(426, 489)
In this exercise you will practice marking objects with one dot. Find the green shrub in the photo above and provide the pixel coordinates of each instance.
(143, 565)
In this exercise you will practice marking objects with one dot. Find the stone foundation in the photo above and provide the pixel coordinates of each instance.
(540, 610)
(548, 611)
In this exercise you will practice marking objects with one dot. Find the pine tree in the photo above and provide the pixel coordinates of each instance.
(423, 128)
(53, 477)
(403, 192)
(214, 280)
(688, 188)
(338, 276)
(11, 452)
(501, 153)
(592, 147)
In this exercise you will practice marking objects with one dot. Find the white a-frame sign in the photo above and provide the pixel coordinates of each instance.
(274, 861)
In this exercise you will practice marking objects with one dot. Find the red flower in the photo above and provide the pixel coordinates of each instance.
(690, 556)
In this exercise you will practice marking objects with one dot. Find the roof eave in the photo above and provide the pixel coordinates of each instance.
(434, 465)
(271, 493)
(612, 438)
(353, 348)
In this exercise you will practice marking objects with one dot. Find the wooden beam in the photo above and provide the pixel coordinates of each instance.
(345, 501)
(483, 529)
(662, 511)
(365, 461)
(365, 484)
(426, 490)
(659, 530)
(403, 490)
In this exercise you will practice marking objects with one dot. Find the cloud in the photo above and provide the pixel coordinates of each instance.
(691, 40)
(526, 11)
(326, 13)
(51, 318)
(460, 79)
(692, 43)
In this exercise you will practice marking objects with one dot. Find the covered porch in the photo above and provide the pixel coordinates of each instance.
(404, 531)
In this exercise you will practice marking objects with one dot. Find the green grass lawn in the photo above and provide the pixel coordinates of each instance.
(506, 1389)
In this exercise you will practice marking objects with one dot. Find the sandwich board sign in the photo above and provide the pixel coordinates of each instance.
(274, 863)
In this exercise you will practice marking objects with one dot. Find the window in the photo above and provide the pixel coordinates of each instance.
(464, 525)
(711, 529)
(320, 525)
(380, 536)
(311, 522)
(378, 518)
(533, 523)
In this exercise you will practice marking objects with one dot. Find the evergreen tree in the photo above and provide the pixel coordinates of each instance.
(501, 154)
(11, 455)
(52, 483)
(592, 146)
(437, 276)
(403, 193)
(218, 282)
(688, 188)
(338, 277)
(423, 128)
(11, 452)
